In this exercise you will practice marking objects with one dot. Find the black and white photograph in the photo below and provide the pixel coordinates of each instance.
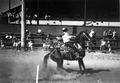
(59, 41)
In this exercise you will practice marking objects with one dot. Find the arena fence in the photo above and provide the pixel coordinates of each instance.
(39, 40)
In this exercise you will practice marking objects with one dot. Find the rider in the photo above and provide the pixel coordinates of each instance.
(66, 39)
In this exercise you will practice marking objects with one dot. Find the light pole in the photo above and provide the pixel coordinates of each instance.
(9, 4)
(119, 10)
(85, 13)
(23, 23)
(38, 12)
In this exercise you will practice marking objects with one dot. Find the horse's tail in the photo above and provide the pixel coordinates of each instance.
(46, 59)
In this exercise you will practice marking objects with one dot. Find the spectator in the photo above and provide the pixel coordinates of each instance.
(110, 34)
(30, 45)
(115, 38)
(40, 32)
(27, 34)
(92, 33)
(114, 35)
(15, 41)
(105, 34)
(6, 36)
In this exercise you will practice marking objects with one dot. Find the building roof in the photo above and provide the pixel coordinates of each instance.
(15, 9)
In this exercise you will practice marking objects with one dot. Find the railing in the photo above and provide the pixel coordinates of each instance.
(114, 43)
(38, 40)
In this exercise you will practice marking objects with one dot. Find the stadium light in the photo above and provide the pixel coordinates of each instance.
(85, 13)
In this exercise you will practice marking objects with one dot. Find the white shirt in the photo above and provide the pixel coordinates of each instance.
(66, 37)
(114, 33)
(103, 42)
(30, 44)
(91, 33)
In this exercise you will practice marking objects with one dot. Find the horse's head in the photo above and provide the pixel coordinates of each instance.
(83, 36)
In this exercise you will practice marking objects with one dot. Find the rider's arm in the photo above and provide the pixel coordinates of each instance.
(70, 36)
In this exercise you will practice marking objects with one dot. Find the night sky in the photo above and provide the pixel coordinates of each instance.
(73, 9)
(4, 4)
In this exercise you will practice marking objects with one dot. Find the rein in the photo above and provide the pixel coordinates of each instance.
(86, 36)
(52, 51)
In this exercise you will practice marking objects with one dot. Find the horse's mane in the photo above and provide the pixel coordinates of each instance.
(80, 38)
(80, 34)
(83, 32)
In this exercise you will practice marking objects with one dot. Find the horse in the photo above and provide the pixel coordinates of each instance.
(58, 56)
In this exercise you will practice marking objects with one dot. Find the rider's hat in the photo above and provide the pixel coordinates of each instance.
(64, 29)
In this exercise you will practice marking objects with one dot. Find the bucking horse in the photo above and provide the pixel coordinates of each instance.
(59, 55)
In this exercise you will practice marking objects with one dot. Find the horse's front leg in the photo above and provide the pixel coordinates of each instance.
(45, 60)
(81, 64)
(60, 64)
(60, 68)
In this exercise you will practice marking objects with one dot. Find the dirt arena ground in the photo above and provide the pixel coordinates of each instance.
(21, 67)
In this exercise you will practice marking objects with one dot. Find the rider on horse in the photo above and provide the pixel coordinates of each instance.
(67, 40)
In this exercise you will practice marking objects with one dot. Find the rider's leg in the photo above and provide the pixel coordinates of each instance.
(69, 44)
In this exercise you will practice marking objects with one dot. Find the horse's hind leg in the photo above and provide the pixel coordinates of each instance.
(60, 64)
(60, 68)
(45, 60)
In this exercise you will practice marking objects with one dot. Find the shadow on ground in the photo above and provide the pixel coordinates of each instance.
(87, 71)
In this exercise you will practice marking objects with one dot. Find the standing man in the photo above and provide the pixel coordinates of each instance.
(92, 33)
(115, 38)
(110, 34)
(105, 34)
(114, 35)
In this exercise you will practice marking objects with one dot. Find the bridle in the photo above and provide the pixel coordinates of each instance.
(86, 36)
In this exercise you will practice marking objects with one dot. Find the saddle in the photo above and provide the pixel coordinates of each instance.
(68, 51)
(70, 54)
(64, 48)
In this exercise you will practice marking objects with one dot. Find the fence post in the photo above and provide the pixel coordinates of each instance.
(37, 73)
